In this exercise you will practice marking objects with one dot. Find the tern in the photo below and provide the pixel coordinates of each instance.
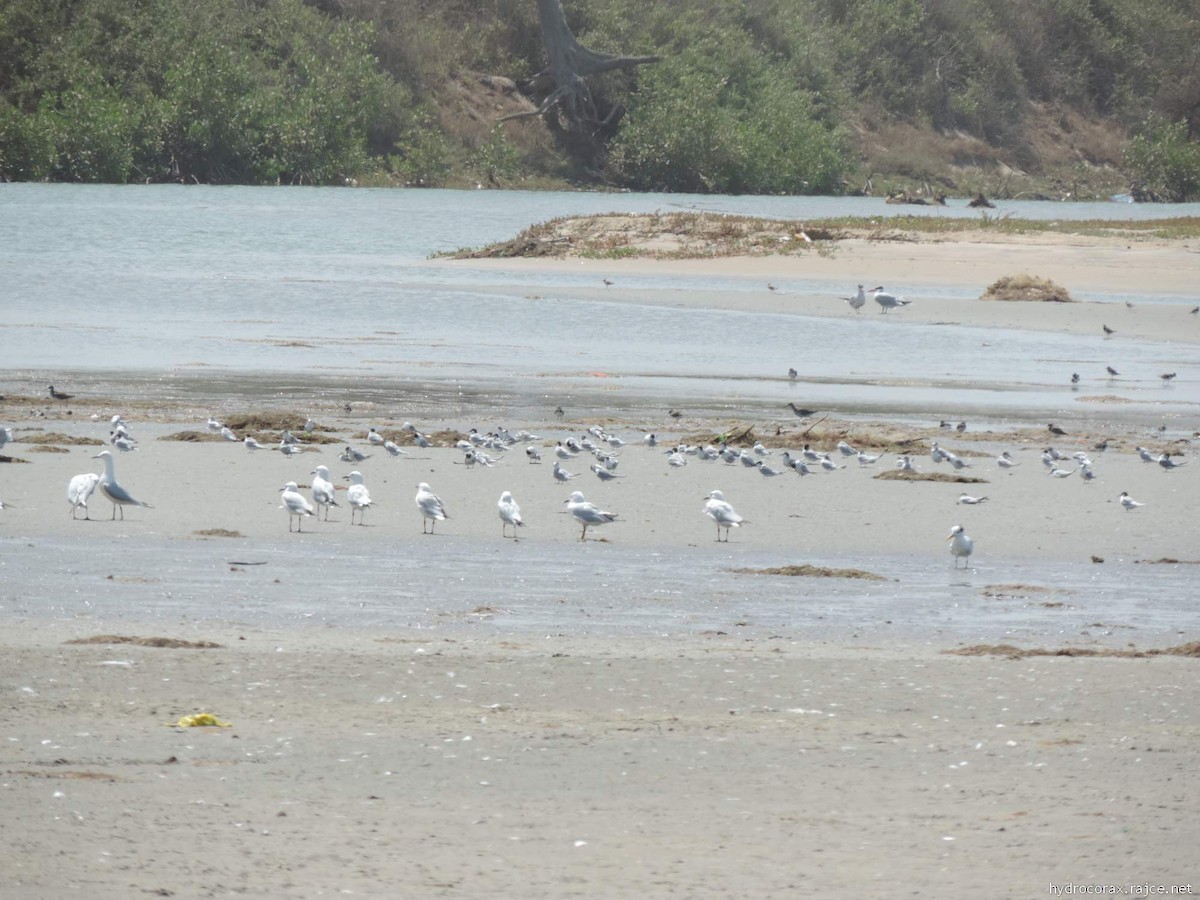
(888, 301)
(1128, 502)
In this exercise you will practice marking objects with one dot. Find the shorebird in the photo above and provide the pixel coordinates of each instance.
(510, 514)
(961, 546)
(322, 490)
(430, 506)
(1074, 378)
(1111, 371)
(1107, 330)
(801, 412)
(59, 395)
(79, 490)
(1128, 502)
(1054, 429)
(357, 496)
(793, 375)
(587, 514)
(1167, 376)
(858, 300)
(111, 489)
(721, 512)
(888, 301)
(295, 504)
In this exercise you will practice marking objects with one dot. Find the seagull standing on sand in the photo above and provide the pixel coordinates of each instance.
(961, 546)
(322, 490)
(111, 489)
(587, 514)
(888, 301)
(295, 504)
(79, 491)
(510, 514)
(721, 512)
(430, 506)
(357, 496)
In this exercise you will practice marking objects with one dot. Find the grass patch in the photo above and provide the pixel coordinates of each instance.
(1191, 650)
(809, 571)
(218, 532)
(1026, 287)
(169, 643)
(909, 475)
(57, 437)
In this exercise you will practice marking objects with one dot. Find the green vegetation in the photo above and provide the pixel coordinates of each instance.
(1008, 97)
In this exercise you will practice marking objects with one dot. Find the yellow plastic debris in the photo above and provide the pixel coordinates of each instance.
(198, 720)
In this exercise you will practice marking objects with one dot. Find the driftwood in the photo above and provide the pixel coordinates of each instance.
(565, 101)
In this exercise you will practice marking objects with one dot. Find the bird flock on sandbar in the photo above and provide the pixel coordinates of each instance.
(598, 451)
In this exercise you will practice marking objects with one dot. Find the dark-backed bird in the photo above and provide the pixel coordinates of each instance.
(59, 395)
(1107, 330)
(801, 412)
(1054, 429)
(1111, 371)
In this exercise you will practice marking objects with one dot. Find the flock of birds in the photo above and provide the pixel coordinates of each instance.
(597, 445)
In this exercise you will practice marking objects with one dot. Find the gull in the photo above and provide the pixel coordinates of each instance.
(1128, 502)
(888, 301)
(604, 474)
(392, 448)
(227, 434)
(1146, 455)
(561, 474)
(866, 459)
(251, 443)
(357, 495)
(721, 512)
(322, 490)
(961, 546)
(430, 506)
(111, 489)
(1167, 463)
(375, 437)
(1061, 473)
(510, 514)
(846, 449)
(59, 395)
(1005, 461)
(858, 300)
(295, 504)
(534, 454)
(968, 500)
(587, 514)
(79, 490)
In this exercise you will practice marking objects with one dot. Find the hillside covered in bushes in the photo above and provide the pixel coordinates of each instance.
(1067, 98)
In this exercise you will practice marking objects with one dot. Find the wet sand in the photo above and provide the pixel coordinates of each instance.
(703, 760)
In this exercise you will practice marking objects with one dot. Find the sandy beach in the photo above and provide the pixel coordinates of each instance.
(464, 715)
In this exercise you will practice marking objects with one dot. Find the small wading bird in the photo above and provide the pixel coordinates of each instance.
(961, 546)
(57, 394)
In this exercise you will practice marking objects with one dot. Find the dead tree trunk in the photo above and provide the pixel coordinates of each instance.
(564, 99)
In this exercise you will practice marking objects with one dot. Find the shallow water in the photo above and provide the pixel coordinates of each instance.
(597, 589)
(167, 283)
